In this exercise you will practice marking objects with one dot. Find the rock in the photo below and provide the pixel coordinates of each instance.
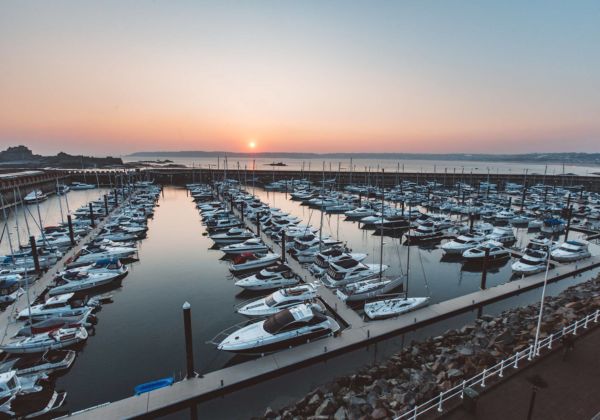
(465, 351)
(269, 413)
(379, 413)
(355, 401)
(341, 414)
(314, 401)
(454, 373)
(327, 407)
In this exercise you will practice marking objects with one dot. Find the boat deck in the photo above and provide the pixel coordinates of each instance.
(358, 333)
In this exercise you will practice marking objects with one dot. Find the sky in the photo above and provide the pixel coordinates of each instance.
(114, 77)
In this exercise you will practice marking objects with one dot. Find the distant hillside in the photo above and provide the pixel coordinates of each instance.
(23, 157)
(567, 158)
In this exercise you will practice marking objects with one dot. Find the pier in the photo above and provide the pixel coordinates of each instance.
(358, 333)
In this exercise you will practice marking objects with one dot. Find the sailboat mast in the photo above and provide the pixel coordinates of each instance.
(381, 228)
(408, 252)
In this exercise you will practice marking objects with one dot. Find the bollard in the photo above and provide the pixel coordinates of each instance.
(484, 273)
(92, 223)
(189, 349)
(258, 225)
(106, 204)
(34, 254)
(282, 246)
(71, 234)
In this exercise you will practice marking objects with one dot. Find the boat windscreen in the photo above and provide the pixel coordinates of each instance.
(275, 323)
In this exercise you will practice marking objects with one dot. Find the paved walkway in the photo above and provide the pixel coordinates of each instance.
(573, 390)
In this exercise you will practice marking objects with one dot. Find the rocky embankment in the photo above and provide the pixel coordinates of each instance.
(421, 370)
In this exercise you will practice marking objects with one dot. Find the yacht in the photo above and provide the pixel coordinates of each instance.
(553, 226)
(53, 340)
(10, 289)
(270, 278)
(323, 258)
(86, 280)
(232, 236)
(75, 186)
(35, 196)
(289, 327)
(21, 397)
(279, 300)
(532, 261)
(48, 363)
(348, 271)
(571, 251)
(462, 243)
(369, 289)
(496, 252)
(92, 253)
(426, 231)
(61, 305)
(391, 307)
(504, 235)
(86, 319)
(248, 262)
(254, 245)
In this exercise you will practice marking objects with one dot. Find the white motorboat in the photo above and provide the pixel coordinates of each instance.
(571, 251)
(496, 252)
(61, 305)
(232, 236)
(76, 186)
(289, 327)
(10, 289)
(254, 246)
(48, 363)
(553, 226)
(343, 272)
(270, 278)
(279, 300)
(532, 261)
(322, 259)
(503, 234)
(462, 243)
(86, 280)
(93, 253)
(369, 289)
(388, 308)
(248, 262)
(35, 196)
(53, 340)
(426, 231)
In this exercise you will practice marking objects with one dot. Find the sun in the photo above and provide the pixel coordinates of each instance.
(252, 144)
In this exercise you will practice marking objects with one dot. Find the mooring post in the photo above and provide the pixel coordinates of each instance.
(106, 204)
(92, 222)
(569, 214)
(71, 233)
(258, 224)
(485, 264)
(34, 254)
(189, 348)
(471, 220)
(242, 207)
(282, 246)
(116, 198)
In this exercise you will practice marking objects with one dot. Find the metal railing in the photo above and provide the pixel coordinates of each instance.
(498, 370)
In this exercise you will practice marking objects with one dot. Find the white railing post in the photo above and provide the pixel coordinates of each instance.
(462, 392)
(516, 365)
(501, 374)
(440, 402)
(483, 378)
(596, 315)
(414, 417)
(575, 329)
(531, 350)
(585, 323)
(550, 342)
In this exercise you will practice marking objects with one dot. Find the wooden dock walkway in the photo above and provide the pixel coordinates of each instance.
(358, 333)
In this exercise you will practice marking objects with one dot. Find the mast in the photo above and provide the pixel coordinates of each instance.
(381, 228)
(17, 217)
(322, 198)
(408, 252)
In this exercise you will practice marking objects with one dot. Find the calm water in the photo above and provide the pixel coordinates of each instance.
(139, 337)
(390, 165)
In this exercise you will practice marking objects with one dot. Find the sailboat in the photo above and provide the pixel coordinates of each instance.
(394, 306)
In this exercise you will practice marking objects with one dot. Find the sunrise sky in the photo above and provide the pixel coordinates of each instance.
(113, 77)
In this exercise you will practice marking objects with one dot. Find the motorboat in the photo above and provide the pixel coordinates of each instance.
(553, 226)
(254, 245)
(503, 234)
(532, 261)
(76, 186)
(53, 340)
(86, 280)
(280, 275)
(492, 250)
(62, 305)
(368, 289)
(292, 326)
(104, 265)
(571, 251)
(249, 261)
(35, 196)
(86, 319)
(10, 289)
(50, 362)
(279, 300)
(92, 253)
(426, 231)
(232, 236)
(343, 272)
(462, 243)
(391, 307)
(323, 258)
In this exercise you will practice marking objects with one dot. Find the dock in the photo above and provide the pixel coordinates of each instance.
(8, 323)
(358, 333)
